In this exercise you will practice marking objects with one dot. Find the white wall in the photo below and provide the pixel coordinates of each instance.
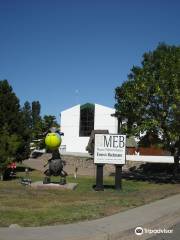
(104, 120)
(152, 159)
(70, 127)
(70, 120)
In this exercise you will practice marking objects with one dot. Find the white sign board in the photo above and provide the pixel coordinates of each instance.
(110, 148)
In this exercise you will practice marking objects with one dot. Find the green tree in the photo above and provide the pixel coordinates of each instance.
(10, 124)
(9, 144)
(12, 134)
(36, 120)
(27, 115)
(10, 113)
(150, 99)
(48, 122)
(25, 131)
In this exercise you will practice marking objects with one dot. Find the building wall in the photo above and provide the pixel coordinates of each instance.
(104, 120)
(70, 121)
(70, 127)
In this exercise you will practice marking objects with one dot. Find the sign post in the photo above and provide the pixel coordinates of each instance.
(118, 177)
(99, 178)
(109, 149)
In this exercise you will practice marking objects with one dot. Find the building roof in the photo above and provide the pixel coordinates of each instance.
(90, 105)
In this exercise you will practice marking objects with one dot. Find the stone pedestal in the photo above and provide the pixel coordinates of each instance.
(40, 185)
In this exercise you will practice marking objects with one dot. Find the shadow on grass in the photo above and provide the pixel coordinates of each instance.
(153, 172)
(23, 168)
(106, 187)
(11, 174)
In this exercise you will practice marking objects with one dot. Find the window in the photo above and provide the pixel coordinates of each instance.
(86, 120)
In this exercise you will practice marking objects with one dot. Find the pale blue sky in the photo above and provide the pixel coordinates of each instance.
(76, 51)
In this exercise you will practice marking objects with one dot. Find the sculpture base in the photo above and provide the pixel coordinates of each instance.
(40, 185)
(47, 180)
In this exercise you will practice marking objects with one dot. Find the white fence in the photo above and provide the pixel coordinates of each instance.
(152, 159)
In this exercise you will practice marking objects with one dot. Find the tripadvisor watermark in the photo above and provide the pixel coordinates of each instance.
(140, 231)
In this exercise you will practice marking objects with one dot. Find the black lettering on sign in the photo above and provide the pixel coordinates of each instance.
(114, 141)
(121, 141)
(107, 143)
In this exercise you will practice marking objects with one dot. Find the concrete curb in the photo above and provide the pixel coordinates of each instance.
(109, 228)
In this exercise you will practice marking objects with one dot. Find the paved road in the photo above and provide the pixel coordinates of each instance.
(172, 236)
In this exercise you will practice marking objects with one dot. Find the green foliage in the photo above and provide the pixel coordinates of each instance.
(18, 127)
(36, 126)
(14, 133)
(48, 122)
(36, 120)
(39, 125)
(150, 99)
(36, 109)
(10, 114)
(27, 115)
(9, 144)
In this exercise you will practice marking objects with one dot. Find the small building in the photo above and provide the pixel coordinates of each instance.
(78, 122)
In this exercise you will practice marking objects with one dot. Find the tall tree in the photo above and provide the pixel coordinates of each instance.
(10, 113)
(11, 139)
(150, 99)
(36, 119)
(27, 114)
(9, 144)
(48, 122)
(25, 131)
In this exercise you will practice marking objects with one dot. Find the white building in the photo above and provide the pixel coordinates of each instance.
(78, 122)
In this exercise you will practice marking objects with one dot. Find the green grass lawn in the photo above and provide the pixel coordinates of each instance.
(29, 207)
